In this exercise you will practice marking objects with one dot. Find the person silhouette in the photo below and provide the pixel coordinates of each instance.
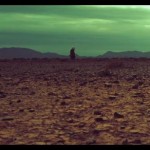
(72, 53)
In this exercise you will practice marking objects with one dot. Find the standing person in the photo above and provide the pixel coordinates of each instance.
(72, 54)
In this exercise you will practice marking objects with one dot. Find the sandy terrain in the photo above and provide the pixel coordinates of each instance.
(83, 102)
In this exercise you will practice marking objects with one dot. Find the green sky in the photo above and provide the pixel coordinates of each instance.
(91, 29)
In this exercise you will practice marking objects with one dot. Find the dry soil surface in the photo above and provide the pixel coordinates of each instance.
(75, 103)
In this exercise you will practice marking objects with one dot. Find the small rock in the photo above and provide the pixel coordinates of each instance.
(31, 110)
(63, 103)
(18, 101)
(45, 79)
(21, 110)
(97, 113)
(92, 75)
(10, 103)
(83, 83)
(2, 95)
(99, 119)
(139, 95)
(81, 125)
(25, 88)
(148, 112)
(116, 94)
(55, 79)
(5, 114)
(77, 116)
(125, 142)
(116, 81)
(76, 70)
(117, 115)
(129, 79)
(52, 94)
(138, 141)
(105, 73)
(134, 76)
(136, 86)
(66, 97)
(60, 142)
(79, 94)
(69, 120)
(48, 83)
(70, 113)
(8, 118)
(122, 127)
(108, 85)
(96, 132)
(90, 141)
(140, 83)
(112, 97)
(32, 93)
(140, 102)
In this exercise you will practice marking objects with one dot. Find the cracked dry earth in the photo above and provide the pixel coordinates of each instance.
(87, 102)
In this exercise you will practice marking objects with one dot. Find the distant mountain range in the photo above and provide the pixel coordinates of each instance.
(125, 54)
(16, 52)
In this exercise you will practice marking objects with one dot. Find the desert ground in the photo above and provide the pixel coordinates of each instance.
(82, 102)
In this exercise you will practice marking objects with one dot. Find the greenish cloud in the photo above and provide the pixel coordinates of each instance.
(92, 29)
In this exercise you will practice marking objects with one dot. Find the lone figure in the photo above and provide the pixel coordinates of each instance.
(72, 54)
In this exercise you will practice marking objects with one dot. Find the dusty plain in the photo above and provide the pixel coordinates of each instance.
(82, 102)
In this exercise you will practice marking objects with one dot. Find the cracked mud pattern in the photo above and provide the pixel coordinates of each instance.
(75, 103)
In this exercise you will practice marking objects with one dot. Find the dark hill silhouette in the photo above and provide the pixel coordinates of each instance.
(27, 53)
(125, 54)
(15, 52)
